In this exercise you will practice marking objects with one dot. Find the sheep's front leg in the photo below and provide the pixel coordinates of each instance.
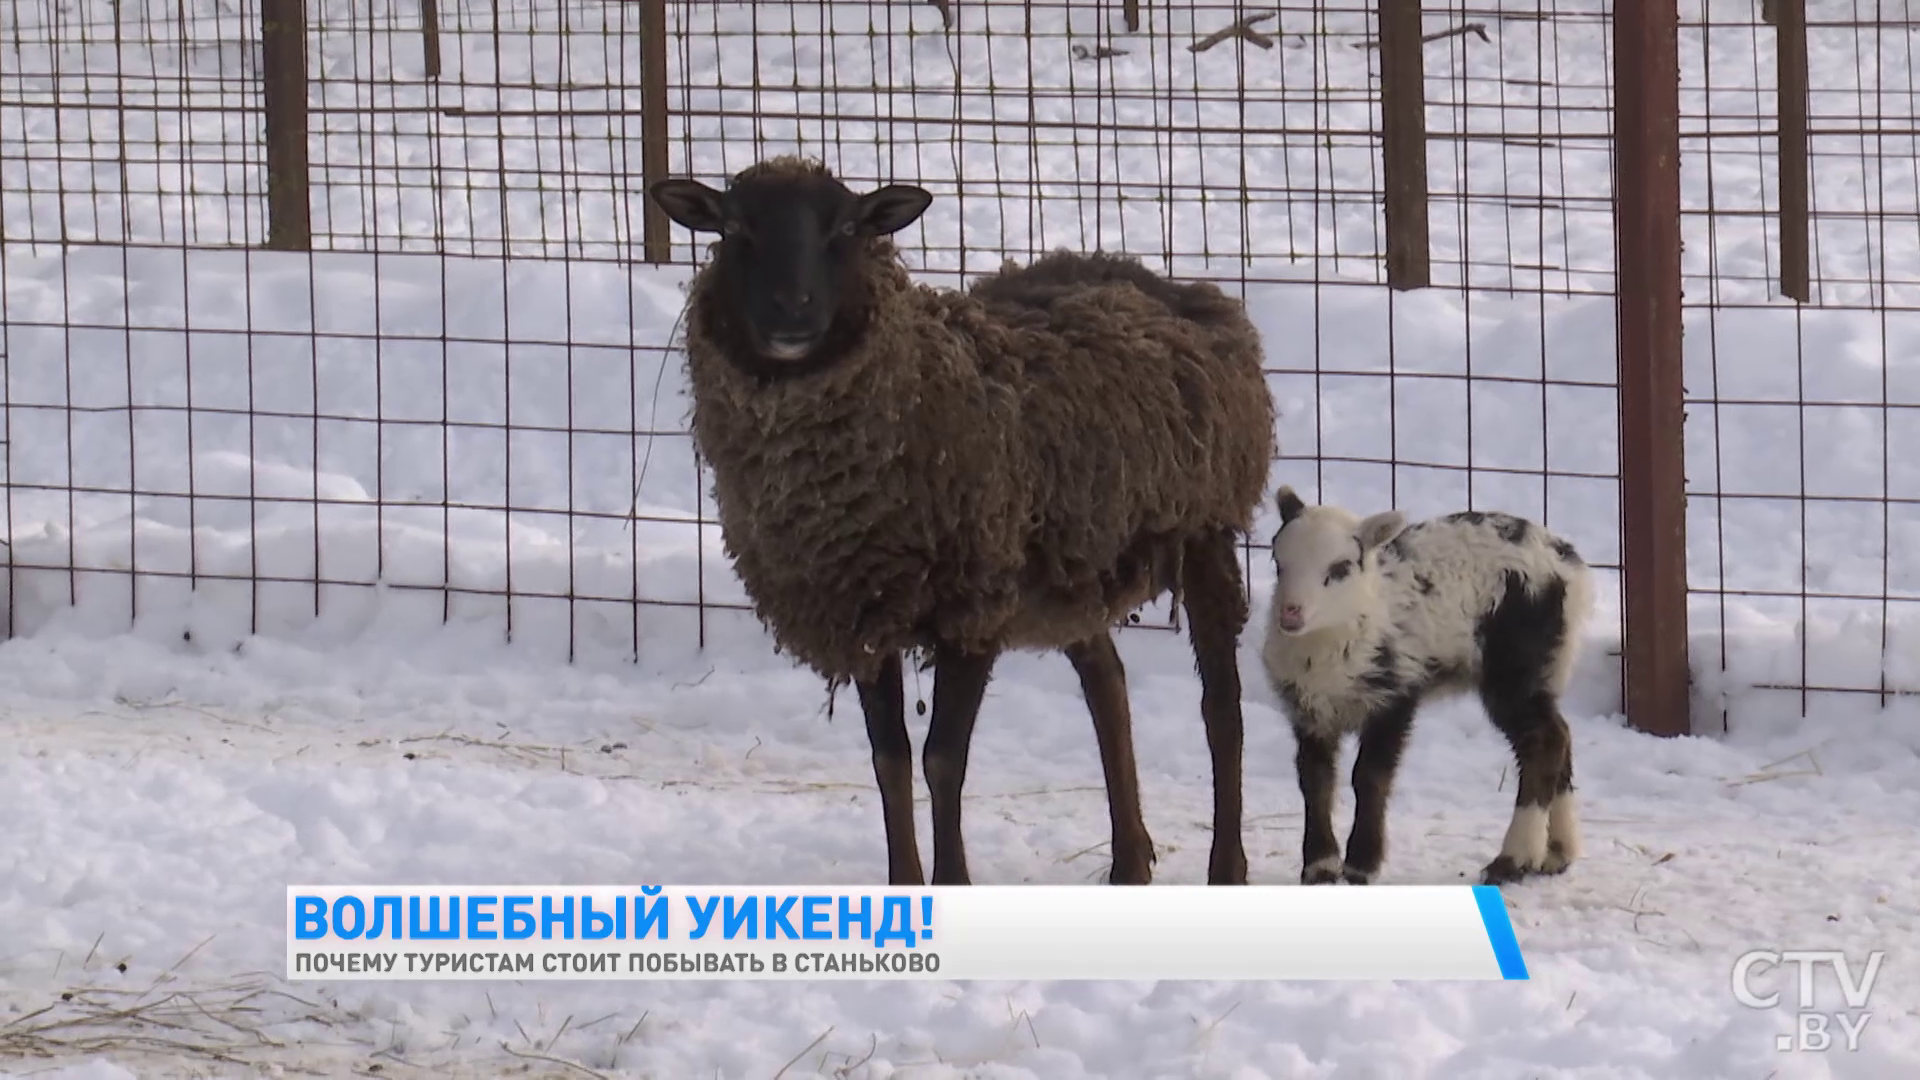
(884, 703)
(959, 684)
(1316, 753)
(1381, 740)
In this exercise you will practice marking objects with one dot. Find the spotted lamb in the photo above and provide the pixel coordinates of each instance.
(1373, 616)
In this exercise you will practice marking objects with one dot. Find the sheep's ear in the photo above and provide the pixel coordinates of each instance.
(1380, 529)
(1290, 505)
(892, 208)
(691, 203)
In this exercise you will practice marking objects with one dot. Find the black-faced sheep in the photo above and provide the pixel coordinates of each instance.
(1371, 617)
(901, 469)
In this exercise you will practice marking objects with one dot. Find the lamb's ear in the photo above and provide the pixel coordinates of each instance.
(892, 208)
(1290, 505)
(1380, 529)
(691, 203)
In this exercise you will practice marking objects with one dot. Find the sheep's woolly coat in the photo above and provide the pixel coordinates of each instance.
(1418, 633)
(1017, 466)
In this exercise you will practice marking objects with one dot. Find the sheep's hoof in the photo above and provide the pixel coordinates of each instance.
(1132, 874)
(1327, 871)
(1230, 869)
(1557, 860)
(1353, 875)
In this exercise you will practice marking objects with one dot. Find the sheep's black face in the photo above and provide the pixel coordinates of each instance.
(788, 265)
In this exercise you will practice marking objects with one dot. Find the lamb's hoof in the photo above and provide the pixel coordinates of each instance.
(1502, 871)
(1557, 860)
(1353, 875)
(1132, 872)
(1327, 871)
(1505, 870)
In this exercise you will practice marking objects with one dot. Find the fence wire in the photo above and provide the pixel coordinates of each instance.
(467, 391)
(1803, 477)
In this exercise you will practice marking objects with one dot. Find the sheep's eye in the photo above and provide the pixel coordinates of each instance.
(1339, 571)
(848, 227)
(730, 227)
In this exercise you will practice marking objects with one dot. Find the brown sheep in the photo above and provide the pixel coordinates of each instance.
(956, 474)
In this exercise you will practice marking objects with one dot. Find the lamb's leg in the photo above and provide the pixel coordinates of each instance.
(1316, 753)
(1216, 605)
(1563, 820)
(1542, 749)
(1381, 740)
(883, 702)
(959, 683)
(1103, 681)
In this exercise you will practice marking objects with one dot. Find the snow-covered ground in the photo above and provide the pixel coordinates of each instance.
(262, 508)
(159, 799)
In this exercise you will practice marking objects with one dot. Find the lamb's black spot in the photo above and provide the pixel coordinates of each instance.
(1382, 675)
(1290, 505)
(1339, 571)
(1566, 552)
(1520, 639)
(1423, 583)
(1511, 529)
(1468, 517)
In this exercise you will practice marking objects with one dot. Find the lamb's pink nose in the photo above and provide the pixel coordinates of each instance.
(1291, 617)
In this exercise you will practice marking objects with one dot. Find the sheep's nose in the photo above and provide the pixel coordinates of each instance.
(793, 303)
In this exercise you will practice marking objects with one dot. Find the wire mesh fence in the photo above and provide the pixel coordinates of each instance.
(462, 388)
(1800, 176)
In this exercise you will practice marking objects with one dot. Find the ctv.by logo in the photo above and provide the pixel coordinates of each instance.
(1813, 1027)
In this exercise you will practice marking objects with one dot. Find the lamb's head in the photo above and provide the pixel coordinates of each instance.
(788, 271)
(1328, 564)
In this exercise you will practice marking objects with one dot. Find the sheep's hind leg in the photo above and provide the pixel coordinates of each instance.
(1103, 682)
(883, 702)
(1381, 741)
(959, 684)
(1216, 605)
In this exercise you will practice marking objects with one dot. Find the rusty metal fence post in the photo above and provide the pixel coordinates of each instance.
(1652, 393)
(654, 227)
(1403, 144)
(1790, 90)
(283, 61)
(430, 37)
